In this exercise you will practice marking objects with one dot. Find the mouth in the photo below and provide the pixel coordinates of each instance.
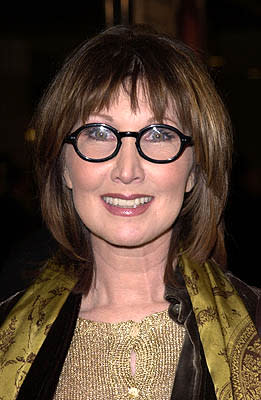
(133, 202)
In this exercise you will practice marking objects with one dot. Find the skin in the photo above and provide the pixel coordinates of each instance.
(130, 252)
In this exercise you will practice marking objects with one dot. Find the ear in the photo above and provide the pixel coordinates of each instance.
(67, 178)
(190, 181)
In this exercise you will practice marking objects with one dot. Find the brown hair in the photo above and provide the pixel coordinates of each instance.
(170, 73)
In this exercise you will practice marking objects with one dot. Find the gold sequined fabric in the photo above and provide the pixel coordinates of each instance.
(98, 364)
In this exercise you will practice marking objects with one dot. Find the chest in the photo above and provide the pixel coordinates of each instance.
(122, 360)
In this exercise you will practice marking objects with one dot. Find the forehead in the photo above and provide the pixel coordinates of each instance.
(123, 104)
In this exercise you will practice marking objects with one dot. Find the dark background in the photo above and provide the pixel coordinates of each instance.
(34, 43)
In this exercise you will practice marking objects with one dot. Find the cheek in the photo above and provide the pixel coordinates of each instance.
(174, 180)
(173, 183)
(81, 176)
(84, 180)
(171, 196)
(84, 186)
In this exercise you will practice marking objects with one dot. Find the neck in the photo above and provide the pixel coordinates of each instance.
(128, 276)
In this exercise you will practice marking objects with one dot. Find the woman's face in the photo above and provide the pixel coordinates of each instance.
(128, 201)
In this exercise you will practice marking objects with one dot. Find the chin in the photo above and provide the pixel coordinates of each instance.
(127, 242)
(132, 239)
(131, 236)
(123, 239)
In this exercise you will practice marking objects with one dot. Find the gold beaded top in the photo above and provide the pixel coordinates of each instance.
(125, 360)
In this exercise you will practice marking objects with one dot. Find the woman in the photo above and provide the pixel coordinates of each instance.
(133, 156)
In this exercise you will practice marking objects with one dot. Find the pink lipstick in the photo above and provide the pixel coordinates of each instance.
(126, 205)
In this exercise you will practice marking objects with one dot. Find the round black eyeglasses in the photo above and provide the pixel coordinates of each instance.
(157, 143)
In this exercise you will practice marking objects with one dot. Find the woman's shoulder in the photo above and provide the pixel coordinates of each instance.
(52, 283)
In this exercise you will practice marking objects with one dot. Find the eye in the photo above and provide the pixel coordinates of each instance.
(99, 133)
(159, 135)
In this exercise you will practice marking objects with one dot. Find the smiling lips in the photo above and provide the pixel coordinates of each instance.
(126, 205)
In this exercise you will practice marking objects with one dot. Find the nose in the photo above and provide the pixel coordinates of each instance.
(128, 165)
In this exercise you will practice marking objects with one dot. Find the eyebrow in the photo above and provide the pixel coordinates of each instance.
(103, 116)
(151, 120)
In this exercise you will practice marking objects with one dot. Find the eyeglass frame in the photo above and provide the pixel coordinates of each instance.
(185, 141)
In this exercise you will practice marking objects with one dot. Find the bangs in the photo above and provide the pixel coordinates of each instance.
(135, 91)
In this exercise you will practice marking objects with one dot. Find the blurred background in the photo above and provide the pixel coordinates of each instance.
(33, 44)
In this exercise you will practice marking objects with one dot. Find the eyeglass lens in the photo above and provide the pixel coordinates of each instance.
(158, 143)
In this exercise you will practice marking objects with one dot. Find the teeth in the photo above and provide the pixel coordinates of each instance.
(114, 201)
